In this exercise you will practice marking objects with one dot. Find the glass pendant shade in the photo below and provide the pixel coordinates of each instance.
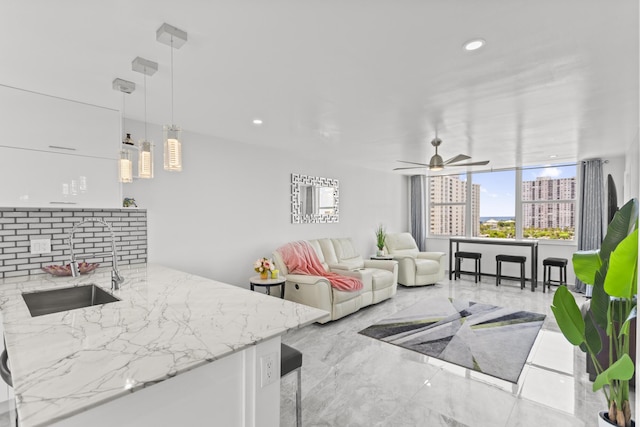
(172, 149)
(145, 160)
(125, 167)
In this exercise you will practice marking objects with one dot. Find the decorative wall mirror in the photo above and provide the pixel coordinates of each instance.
(313, 199)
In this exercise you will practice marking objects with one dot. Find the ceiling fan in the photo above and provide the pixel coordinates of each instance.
(436, 163)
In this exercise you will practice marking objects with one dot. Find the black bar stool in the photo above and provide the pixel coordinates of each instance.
(468, 255)
(510, 258)
(291, 360)
(561, 263)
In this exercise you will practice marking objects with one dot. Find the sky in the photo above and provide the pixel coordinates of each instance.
(497, 189)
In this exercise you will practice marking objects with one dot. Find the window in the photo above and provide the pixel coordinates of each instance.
(447, 204)
(549, 203)
(488, 201)
(497, 204)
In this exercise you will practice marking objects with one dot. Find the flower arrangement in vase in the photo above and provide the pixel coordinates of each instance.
(264, 266)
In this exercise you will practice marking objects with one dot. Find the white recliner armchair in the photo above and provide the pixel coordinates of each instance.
(415, 268)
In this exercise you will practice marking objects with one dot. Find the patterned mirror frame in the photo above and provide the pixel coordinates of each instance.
(297, 217)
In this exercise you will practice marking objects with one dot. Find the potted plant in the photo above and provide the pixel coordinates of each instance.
(380, 239)
(613, 271)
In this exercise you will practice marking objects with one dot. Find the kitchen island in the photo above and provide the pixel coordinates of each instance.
(177, 349)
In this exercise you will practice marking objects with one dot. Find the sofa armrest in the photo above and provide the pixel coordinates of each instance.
(314, 291)
(304, 279)
(389, 265)
(339, 268)
(402, 256)
(435, 256)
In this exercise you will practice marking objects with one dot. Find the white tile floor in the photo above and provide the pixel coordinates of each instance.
(352, 380)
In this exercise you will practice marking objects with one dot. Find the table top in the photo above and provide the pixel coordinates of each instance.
(256, 280)
(383, 257)
(167, 322)
(494, 241)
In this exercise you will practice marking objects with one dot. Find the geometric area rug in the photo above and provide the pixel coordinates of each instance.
(493, 340)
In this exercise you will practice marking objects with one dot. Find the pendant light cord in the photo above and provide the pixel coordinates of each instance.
(172, 122)
(145, 105)
(123, 127)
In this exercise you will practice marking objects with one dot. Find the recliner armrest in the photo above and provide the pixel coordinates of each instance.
(398, 257)
(381, 264)
(435, 256)
(306, 280)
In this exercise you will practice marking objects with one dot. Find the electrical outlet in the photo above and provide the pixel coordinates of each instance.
(268, 369)
(40, 246)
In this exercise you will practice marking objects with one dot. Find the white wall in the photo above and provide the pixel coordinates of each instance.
(231, 205)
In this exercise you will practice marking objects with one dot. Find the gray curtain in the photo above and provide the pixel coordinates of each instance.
(418, 191)
(591, 209)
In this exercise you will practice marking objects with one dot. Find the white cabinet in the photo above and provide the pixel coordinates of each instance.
(57, 152)
(7, 403)
(41, 122)
(42, 179)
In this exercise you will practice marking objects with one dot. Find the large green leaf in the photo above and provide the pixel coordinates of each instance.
(621, 369)
(599, 304)
(591, 334)
(585, 265)
(619, 228)
(568, 316)
(624, 330)
(621, 279)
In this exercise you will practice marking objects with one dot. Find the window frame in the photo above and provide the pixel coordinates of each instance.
(519, 203)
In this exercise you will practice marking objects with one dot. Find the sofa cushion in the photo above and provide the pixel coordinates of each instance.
(342, 296)
(315, 244)
(401, 244)
(381, 278)
(427, 266)
(346, 254)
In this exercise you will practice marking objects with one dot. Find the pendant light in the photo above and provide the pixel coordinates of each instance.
(175, 38)
(145, 147)
(125, 163)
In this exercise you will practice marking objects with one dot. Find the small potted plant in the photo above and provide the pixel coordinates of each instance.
(613, 271)
(264, 266)
(380, 239)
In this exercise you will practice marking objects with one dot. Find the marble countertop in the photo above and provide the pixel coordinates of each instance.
(167, 322)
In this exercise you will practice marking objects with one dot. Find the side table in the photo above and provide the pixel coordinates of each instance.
(383, 257)
(268, 283)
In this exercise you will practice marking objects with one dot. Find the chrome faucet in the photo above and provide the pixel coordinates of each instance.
(116, 277)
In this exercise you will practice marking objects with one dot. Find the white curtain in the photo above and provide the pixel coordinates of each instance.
(591, 211)
(418, 188)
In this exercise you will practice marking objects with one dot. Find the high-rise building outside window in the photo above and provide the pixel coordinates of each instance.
(547, 196)
(549, 203)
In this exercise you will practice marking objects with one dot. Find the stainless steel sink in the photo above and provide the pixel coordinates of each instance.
(64, 299)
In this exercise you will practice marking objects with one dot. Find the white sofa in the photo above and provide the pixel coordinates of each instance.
(379, 279)
(415, 268)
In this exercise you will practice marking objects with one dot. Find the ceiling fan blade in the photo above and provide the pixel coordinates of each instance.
(413, 167)
(458, 158)
(482, 163)
(413, 163)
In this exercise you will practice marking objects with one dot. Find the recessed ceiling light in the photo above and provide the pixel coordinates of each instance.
(257, 122)
(553, 156)
(474, 44)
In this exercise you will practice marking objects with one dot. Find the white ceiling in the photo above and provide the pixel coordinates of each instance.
(367, 81)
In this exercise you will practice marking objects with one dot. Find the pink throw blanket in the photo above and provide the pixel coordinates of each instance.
(301, 258)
